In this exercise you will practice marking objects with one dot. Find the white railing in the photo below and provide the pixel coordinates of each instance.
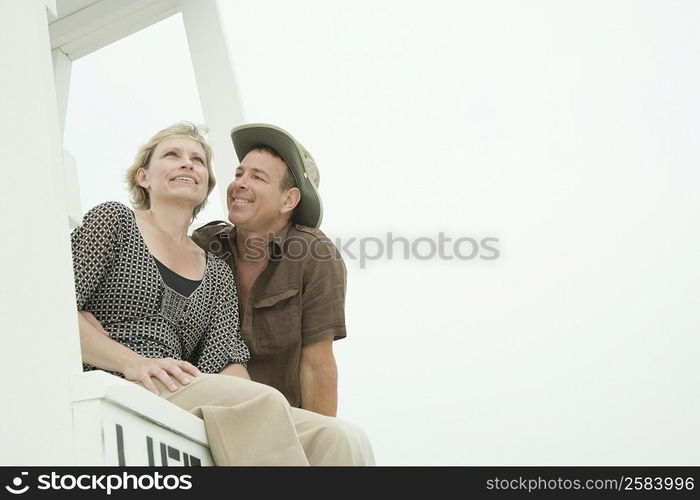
(117, 422)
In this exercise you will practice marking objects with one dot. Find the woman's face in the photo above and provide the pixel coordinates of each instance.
(177, 170)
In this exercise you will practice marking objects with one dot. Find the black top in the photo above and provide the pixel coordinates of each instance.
(183, 286)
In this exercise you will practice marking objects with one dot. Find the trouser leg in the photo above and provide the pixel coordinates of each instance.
(330, 440)
(247, 423)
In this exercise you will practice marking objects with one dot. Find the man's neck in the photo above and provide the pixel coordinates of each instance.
(252, 244)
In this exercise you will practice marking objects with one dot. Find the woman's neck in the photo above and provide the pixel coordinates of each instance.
(173, 221)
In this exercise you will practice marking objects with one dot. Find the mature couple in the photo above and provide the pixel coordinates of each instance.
(195, 319)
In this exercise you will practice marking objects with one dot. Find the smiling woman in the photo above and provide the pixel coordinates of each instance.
(168, 289)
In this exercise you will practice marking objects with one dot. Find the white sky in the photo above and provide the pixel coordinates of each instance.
(567, 130)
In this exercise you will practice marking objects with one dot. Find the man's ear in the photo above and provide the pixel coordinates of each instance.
(142, 178)
(291, 200)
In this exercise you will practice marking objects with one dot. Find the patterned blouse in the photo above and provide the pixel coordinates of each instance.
(118, 281)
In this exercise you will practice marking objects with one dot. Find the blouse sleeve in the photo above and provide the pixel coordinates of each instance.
(94, 245)
(223, 344)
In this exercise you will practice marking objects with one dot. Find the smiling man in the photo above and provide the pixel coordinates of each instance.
(290, 278)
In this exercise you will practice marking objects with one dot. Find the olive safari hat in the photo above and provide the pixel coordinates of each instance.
(309, 211)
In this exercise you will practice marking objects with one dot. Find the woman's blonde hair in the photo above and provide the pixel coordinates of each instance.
(138, 194)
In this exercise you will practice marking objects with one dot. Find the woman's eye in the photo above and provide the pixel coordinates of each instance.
(171, 153)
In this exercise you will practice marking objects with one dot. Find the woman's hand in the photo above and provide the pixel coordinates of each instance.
(143, 369)
(99, 350)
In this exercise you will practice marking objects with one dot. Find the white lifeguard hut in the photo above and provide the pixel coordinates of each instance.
(54, 414)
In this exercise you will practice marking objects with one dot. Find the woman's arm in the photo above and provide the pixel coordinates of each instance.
(222, 350)
(102, 352)
(93, 321)
(236, 370)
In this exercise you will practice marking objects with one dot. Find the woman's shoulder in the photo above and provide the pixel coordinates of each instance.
(109, 213)
(219, 266)
(110, 208)
(218, 262)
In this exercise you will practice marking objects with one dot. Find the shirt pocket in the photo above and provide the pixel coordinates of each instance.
(277, 321)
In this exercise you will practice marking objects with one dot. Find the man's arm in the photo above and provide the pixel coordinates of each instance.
(318, 378)
(323, 321)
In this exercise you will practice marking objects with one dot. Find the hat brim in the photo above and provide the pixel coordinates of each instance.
(309, 212)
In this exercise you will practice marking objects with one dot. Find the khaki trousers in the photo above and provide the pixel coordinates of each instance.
(248, 423)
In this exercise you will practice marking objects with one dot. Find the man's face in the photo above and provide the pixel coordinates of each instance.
(256, 201)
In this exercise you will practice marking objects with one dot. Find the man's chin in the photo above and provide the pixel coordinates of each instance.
(234, 217)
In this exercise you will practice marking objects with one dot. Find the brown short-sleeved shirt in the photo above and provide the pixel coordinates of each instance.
(298, 299)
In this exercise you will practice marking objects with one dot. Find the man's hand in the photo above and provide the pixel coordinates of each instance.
(143, 369)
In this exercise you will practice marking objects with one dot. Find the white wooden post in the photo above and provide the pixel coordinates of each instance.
(61, 72)
(218, 91)
(54, 414)
(39, 327)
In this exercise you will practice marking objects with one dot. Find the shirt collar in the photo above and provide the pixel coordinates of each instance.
(276, 244)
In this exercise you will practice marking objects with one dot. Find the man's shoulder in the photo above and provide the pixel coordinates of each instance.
(319, 246)
(307, 232)
(211, 237)
(213, 229)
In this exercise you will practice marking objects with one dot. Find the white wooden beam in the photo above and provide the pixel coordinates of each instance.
(39, 330)
(61, 74)
(105, 22)
(70, 169)
(218, 90)
(50, 10)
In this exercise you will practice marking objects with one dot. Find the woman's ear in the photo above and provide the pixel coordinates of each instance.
(142, 178)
